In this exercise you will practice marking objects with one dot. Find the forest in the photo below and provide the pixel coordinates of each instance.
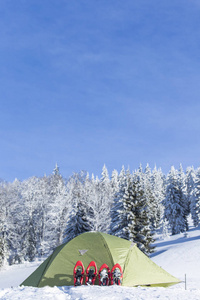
(40, 213)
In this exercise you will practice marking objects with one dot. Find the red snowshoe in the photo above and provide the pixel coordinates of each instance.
(116, 275)
(78, 273)
(91, 273)
(104, 275)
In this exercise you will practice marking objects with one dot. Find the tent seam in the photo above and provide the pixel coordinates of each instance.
(127, 258)
(50, 260)
(44, 270)
(106, 245)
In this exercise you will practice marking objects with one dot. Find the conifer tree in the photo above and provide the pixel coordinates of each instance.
(190, 179)
(142, 232)
(90, 198)
(15, 222)
(79, 221)
(104, 202)
(130, 219)
(114, 182)
(4, 248)
(59, 207)
(118, 209)
(31, 243)
(30, 218)
(149, 196)
(184, 199)
(195, 197)
(174, 205)
(128, 215)
(159, 196)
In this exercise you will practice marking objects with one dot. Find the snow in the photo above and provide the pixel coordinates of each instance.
(179, 255)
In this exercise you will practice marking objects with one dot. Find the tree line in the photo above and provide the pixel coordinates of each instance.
(38, 214)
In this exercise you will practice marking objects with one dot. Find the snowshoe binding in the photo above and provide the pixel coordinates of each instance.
(78, 273)
(91, 273)
(104, 275)
(116, 275)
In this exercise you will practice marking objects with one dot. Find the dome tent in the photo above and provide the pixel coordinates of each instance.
(138, 269)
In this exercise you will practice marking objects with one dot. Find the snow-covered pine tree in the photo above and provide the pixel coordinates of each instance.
(195, 196)
(190, 180)
(174, 206)
(129, 214)
(31, 249)
(42, 202)
(118, 210)
(184, 199)
(4, 249)
(50, 198)
(79, 221)
(56, 210)
(140, 230)
(31, 218)
(114, 182)
(159, 196)
(190, 183)
(127, 231)
(56, 170)
(90, 198)
(122, 176)
(60, 205)
(15, 222)
(104, 202)
(149, 196)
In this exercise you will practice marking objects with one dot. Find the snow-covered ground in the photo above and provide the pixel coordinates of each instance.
(179, 255)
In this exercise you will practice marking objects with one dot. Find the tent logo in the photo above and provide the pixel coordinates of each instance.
(82, 252)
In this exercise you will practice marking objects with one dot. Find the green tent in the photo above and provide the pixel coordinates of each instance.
(138, 269)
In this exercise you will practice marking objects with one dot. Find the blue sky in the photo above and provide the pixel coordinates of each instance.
(83, 83)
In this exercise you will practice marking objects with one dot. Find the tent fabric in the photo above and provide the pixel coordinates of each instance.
(138, 269)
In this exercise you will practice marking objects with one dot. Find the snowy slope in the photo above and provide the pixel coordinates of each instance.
(179, 255)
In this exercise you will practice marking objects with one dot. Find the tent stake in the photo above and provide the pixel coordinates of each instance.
(185, 282)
